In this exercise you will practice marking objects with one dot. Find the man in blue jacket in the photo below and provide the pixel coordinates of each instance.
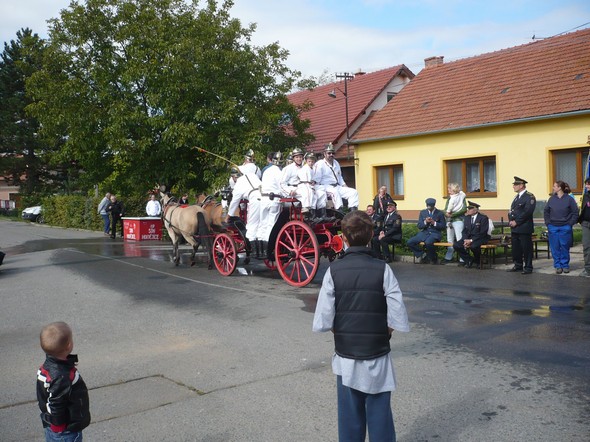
(431, 224)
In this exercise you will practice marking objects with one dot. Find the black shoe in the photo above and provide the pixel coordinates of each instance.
(435, 261)
(113, 237)
(527, 272)
(515, 269)
(469, 264)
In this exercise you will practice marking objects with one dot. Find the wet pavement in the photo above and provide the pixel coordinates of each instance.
(481, 329)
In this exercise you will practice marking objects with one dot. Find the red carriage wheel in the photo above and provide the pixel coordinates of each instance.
(225, 254)
(297, 254)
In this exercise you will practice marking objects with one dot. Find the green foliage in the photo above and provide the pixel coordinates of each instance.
(21, 151)
(129, 88)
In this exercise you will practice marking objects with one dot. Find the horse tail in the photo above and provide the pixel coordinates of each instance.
(203, 228)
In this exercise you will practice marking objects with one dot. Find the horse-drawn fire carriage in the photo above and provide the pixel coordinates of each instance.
(294, 247)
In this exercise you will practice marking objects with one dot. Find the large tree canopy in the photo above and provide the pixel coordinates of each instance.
(20, 146)
(131, 87)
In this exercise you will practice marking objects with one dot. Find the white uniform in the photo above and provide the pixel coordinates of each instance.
(153, 208)
(290, 181)
(251, 168)
(329, 176)
(269, 210)
(247, 187)
(307, 176)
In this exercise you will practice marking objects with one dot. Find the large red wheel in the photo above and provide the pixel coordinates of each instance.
(225, 254)
(297, 253)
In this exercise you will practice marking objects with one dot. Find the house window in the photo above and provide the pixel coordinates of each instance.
(390, 95)
(476, 176)
(570, 165)
(393, 178)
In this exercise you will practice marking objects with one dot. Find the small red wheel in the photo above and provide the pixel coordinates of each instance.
(297, 253)
(225, 254)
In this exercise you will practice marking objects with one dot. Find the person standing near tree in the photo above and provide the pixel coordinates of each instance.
(521, 225)
(153, 207)
(102, 211)
(115, 208)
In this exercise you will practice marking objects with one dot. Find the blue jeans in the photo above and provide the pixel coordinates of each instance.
(560, 241)
(358, 411)
(66, 436)
(107, 223)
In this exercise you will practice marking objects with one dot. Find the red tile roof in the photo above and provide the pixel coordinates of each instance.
(328, 115)
(543, 78)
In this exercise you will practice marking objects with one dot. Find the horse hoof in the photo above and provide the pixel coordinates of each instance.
(210, 267)
(247, 260)
(192, 264)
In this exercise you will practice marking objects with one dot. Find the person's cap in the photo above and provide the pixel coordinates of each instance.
(296, 152)
(249, 154)
(518, 180)
(310, 155)
(430, 202)
(235, 172)
(392, 203)
(472, 205)
(329, 148)
(277, 158)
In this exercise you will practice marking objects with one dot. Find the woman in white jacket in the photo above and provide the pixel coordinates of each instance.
(454, 211)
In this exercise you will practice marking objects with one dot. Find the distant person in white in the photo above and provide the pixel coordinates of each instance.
(153, 207)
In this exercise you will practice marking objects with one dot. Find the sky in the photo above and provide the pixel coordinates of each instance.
(325, 37)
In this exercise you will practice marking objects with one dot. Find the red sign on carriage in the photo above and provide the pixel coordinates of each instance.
(142, 229)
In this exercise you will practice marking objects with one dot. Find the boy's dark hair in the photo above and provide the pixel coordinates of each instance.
(587, 181)
(357, 226)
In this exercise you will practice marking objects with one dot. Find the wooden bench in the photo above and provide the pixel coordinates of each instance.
(488, 252)
(506, 243)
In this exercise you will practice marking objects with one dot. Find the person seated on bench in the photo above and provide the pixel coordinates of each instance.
(431, 223)
(392, 230)
(377, 227)
(476, 228)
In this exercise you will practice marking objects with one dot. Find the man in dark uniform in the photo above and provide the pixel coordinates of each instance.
(377, 224)
(431, 223)
(392, 230)
(521, 224)
(475, 233)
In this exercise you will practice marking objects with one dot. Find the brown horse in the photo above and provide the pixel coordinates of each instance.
(189, 222)
(213, 209)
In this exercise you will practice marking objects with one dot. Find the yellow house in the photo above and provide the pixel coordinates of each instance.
(480, 121)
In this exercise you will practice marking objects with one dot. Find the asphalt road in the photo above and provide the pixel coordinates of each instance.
(183, 354)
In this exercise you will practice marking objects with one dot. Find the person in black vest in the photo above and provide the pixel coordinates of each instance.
(377, 224)
(115, 208)
(392, 230)
(475, 233)
(361, 303)
(521, 224)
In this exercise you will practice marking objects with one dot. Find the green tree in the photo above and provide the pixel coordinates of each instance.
(21, 149)
(133, 86)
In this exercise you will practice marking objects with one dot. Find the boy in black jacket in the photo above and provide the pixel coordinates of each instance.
(61, 392)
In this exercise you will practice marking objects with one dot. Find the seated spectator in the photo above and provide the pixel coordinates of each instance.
(183, 200)
(475, 234)
(380, 201)
(431, 223)
(392, 230)
(377, 223)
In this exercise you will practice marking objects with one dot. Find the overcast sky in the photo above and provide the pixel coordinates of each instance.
(348, 35)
